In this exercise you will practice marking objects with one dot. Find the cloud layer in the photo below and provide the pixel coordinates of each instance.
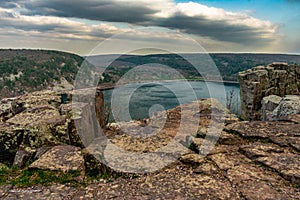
(94, 19)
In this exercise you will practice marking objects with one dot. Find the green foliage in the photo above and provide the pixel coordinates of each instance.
(3, 174)
(35, 69)
(6, 173)
(32, 177)
(39, 69)
(228, 64)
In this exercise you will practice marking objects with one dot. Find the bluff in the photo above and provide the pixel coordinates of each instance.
(251, 160)
(275, 79)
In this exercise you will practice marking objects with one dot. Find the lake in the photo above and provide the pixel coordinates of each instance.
(141, 100)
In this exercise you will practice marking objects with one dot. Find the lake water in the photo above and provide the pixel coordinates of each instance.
(140, 100)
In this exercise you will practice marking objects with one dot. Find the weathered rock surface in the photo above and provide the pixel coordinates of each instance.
(64, 158)
(275, 79)
(280, 154)
(285, 163)
(56, 191)
(250, 160)
(41, 119)
(289, 105)
(264, 130)
(269, 104)
(22, 156)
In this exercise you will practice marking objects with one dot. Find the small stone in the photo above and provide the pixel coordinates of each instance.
(193, 159)
(22, 156)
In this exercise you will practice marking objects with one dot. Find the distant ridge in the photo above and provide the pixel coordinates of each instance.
(32, 70)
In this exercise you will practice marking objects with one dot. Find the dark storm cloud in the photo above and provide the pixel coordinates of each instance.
(105, 10)
(56, 26)
(230, 27)
(218, 30)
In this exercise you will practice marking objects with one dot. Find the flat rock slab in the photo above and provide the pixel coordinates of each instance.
(64, 158)
(292, 118)
(294, 142)
(285, 163)
(264, 130)
(37, 116)
(252, 181)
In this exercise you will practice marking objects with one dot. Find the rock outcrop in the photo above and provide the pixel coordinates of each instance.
(41, 119)
(250, 160)
(275, 79)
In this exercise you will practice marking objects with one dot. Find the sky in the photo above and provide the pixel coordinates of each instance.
(79, 26)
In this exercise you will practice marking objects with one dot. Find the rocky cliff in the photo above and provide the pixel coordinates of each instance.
(275, 79)
(251, 160)
(43, 119)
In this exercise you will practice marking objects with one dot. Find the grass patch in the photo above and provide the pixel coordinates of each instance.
(6, 173)
(31, 177)
(107, 175)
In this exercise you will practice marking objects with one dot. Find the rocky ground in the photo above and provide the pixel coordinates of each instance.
(251, 160)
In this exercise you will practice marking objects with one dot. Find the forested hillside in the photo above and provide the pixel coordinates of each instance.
(229, 64)
(31, 70)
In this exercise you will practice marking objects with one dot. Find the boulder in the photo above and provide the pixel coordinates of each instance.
(269, 104)
(289, 105)
(10, 107)
(275, 79)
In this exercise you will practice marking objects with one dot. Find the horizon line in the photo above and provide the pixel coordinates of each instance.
(157, 53)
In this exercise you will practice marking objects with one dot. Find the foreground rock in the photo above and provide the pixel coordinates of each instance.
(243, 165)
(283, 162)
(249, 160)
(63, 158)
(44, 118)
(282, 152)
(56, 191)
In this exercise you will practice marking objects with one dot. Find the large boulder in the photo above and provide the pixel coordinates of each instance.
(289, 105)
(275, 79)
(269, 104)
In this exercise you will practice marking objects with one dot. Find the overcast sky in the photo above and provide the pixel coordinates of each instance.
(78, 26)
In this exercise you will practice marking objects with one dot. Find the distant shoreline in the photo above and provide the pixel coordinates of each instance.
(111, 86)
